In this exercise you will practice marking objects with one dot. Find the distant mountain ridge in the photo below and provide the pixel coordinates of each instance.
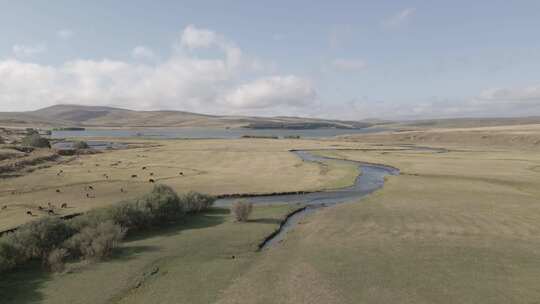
(97, 116)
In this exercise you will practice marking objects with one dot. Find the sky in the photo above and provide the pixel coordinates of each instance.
(332, 59)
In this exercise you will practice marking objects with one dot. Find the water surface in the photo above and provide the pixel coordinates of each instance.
(219, 133)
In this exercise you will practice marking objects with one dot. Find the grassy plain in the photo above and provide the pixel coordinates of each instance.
(207, 166)
(456, 227)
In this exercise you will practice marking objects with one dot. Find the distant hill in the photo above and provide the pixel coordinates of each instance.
(89, 116)
(466, 122)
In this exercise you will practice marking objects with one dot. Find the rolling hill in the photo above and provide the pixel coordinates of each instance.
(86, 116)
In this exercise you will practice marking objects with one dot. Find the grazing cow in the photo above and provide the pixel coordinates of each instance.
(29, 213)
(50, 212)
(133, 175)
(182, 173)
(40, 208)
(144, 168)
(64, 205)
(90, 188)
(4, 207)
(152, 180)
(87, 195)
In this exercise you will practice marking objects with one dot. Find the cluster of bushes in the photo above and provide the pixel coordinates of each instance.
(36, 141)
(95, 234)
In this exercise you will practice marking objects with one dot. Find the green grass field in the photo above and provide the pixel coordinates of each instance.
(456, 227)
(186, 263)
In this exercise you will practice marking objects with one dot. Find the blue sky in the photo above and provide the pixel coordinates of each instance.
(342, 59)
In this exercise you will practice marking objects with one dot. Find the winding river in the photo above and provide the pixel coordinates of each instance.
(371, 178)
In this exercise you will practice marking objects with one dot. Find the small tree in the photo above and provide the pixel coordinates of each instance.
(241, 210)
(36, 141)
(80, 145)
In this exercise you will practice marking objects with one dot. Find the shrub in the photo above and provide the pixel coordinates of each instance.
(31, 131)
(97, 242)
(162, 203)
(80, 145)
(36, 141)
(38, 238)
(8, 255)
(56, 259)
(194, 202)
(241, 210)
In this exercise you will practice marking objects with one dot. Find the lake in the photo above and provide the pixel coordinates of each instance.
(211, 133)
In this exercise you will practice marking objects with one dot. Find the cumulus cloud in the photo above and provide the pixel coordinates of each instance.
(193, 38)
(529, 94)
(64, 34)
(495, 102)
(26, 51)
(183, 81)
(349, 64)
(271, 91)
(399, 19)
(143, 53)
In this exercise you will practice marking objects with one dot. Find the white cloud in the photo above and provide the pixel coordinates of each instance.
(349, 64)
(193, 38)
(399, 19)
(26, 51)
(183, 81)
(143, 53)
(529, 94)
(64, 34)
(290, 91)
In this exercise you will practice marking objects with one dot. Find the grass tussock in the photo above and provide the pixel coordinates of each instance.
(241, 210)
(94, 235)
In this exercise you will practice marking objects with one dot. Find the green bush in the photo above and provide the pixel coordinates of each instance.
(38, 238)
(241, 210)
(194, 202)
(9, 255)
(56, 259)
(80, 145)
(162, 204)
(96, 243)
(36, 141)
